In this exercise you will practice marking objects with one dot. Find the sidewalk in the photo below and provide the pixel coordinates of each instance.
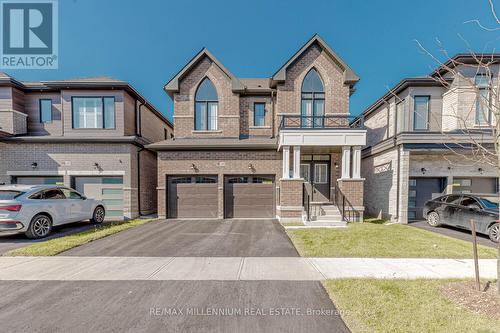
(236, 268)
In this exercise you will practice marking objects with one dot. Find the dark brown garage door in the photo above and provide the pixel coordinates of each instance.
(192, 197)
(249, 196)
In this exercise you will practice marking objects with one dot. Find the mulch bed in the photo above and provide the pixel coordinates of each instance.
(464, 294)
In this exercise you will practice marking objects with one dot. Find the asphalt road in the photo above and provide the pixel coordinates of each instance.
(210, 238)
(12, 240)
(455, 233)
(166, 306)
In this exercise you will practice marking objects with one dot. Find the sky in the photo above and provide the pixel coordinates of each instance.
(147, 42)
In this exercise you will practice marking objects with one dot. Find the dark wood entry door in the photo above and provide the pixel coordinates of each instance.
(317, 173)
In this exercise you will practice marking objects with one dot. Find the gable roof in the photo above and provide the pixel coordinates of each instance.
(350, 76)
(172, 86)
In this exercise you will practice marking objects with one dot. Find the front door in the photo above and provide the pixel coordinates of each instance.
(316, 171)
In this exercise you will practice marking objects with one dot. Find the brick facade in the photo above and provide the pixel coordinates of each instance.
(290, 208)
(220, 163)
(236, 121)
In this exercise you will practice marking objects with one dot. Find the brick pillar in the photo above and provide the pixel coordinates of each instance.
(290, 207)
(353, 192)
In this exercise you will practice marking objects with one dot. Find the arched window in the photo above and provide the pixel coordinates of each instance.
(206, 104)
(313, 100)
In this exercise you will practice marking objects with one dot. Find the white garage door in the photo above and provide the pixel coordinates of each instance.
(107, 189)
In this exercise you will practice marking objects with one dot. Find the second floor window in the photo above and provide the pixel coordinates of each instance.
(206, 107)
(421, 112)
(483, 104)
(312, 100)
(45, 110)
(259, 114)
(93, 112)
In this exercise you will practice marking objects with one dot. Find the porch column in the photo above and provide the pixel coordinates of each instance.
(296, 162)
(286, 162)
(356, 162)
(346, 162)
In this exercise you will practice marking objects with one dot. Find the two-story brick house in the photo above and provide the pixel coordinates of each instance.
(419, 135)
(89, 134)
(270, 147)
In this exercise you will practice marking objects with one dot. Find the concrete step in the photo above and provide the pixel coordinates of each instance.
(331, 223)
(329, 217)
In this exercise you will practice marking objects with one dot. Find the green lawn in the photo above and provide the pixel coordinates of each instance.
(381, 240)
(58, 245)
(368, 305)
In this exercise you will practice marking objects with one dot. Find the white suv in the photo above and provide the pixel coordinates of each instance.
(35, 209)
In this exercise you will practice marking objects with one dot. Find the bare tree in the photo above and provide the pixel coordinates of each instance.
(475, 137)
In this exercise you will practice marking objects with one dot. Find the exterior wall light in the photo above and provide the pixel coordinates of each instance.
(480, 170)
(423, 170)
(34, 165)
(96, 165)
(251, 167)
(193, 167)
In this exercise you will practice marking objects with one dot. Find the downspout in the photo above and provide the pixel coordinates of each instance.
(139, 179)
(138, 130)
(273, 113)
(138, 119)
(397, 179)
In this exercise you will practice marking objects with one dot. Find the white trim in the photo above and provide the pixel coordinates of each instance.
(346, 162)
(95, 173)
(350, 179)
(36, 173)
(206, 132)
(17, 112)
(322, 138)
(182, 116)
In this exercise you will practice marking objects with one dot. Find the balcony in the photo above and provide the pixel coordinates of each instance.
(290, 122)
(13, 122)
(321, 131)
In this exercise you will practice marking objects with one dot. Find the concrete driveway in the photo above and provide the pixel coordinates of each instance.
(196, 238)
(454, 233)
(11, 240)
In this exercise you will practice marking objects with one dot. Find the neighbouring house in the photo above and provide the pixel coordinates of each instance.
(89, 134)
(418, 135)
(279, 146)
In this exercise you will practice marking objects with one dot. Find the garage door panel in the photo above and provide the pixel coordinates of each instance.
(107, 189)
(249, 200)
(192, 200)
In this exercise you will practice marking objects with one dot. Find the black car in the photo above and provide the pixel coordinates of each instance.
(458, 209)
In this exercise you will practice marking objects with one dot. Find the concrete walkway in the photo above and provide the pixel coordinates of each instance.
(235, 268)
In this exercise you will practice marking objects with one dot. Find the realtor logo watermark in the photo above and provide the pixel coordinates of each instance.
(29, 33)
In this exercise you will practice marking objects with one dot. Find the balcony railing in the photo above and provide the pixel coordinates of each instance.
(320, 122)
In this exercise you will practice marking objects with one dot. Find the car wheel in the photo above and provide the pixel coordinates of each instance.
(433, 219)
(40, 226)
(98, 216)
(493, 232)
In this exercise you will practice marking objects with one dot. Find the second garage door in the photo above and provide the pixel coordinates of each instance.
(249, 196)
(192, 197)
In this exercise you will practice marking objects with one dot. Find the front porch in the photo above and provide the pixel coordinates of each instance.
(321, 183)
